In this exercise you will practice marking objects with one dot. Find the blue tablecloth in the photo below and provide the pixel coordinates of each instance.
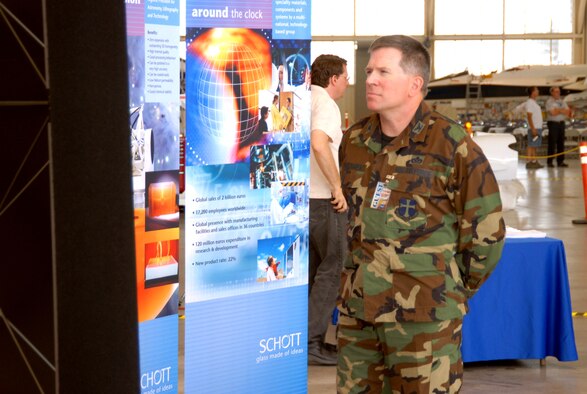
(523, 311)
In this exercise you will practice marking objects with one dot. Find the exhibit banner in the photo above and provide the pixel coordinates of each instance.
(153, 73)
(246, 196)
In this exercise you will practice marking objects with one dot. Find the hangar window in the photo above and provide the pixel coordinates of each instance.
(476, 56)
(367, 17)
(501, 21)
(333, 18)
(381, 17)
(537, 52)
(538, 16)
(480, 36)
(452, 17)
(485, 56)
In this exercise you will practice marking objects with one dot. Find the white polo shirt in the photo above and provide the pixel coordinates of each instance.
(325, 117)
(533, 107)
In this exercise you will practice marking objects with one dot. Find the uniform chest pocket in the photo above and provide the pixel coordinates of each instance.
(399, 206)
(408, 200)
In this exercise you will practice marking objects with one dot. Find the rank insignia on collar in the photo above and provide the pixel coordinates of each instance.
(406, 209)
(418, 127)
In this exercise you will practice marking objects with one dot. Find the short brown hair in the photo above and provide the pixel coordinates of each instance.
(324, 67)
(415, 57)
(531, 89)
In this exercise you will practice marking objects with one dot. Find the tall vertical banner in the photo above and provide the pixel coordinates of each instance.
(153, 69)
(247, 172)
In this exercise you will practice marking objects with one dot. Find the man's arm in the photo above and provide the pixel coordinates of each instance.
(551, 109)
(481, 225)
(531, 124)
(554, 110)
(566, 110)
(321, 149)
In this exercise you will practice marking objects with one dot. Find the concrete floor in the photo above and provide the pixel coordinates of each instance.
(554, 198)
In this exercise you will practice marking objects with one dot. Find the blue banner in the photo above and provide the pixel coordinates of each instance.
(247, 177)
(153, 75)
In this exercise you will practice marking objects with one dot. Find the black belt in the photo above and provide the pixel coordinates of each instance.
(555, 121)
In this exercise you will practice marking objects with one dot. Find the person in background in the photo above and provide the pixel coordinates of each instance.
(534, 114)
(280, 78)
(286, 115)
(271, 269)
(327, 203)
(262, 126)
(289, 124)
(425, 231)
(557, 112)
(307, 85)
(282, 85)
(276, 121)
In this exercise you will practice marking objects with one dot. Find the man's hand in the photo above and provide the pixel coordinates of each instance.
(568, 112)
(320, 147)
(338, 201)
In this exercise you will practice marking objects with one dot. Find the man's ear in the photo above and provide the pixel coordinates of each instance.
(416, 84)
(331, 80)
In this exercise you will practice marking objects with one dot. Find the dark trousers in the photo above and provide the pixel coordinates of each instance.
(327, 250)
(556, 141)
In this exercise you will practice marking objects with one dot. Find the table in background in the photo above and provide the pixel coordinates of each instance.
(523, 311)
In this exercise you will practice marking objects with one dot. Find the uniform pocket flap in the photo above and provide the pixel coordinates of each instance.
(411, 180)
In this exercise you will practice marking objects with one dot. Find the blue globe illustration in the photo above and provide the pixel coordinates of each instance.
(227, 91)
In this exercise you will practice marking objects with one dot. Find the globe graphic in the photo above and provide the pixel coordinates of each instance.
(297, 65)
(227, 91)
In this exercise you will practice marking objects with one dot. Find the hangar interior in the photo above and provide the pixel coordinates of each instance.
(57, 194)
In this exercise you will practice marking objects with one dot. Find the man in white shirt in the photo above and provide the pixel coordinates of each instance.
(534, 113)
(327, 203)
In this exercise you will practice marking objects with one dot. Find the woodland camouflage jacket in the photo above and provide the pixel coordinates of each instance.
(425, 228)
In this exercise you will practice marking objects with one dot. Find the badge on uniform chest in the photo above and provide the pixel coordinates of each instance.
(406, 209)
(380, 197)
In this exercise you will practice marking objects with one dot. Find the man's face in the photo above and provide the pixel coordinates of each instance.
(387, 84)
(556, 93)
(535, 92)
(340, 83)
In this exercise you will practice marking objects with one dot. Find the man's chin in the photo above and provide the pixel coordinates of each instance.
(372, 100)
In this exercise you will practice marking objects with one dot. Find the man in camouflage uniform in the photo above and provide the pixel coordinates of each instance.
(425, 231)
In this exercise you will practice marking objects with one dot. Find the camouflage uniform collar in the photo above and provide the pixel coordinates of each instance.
(416, 130)
(419, 124)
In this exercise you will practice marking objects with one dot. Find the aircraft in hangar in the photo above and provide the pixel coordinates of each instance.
(489, 106)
